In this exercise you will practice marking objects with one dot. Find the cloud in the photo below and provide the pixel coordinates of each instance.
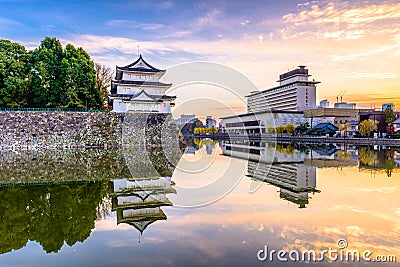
(381, 76)
(341, 21)
(135, 25)
(9, 22)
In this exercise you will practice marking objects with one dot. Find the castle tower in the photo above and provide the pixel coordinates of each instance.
(136, 88)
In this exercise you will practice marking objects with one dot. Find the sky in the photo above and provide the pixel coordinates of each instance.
(351, 46)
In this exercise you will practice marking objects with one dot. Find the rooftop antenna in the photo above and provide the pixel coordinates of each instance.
(341, 97)
(337, 97)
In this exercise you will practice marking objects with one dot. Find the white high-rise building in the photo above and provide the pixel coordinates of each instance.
(295, 92)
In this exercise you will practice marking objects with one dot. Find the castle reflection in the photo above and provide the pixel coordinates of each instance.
(138, 202)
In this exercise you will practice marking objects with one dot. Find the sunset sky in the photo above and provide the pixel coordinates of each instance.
(352, 45)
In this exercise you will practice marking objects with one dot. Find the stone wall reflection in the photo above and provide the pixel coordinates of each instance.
(46, 166)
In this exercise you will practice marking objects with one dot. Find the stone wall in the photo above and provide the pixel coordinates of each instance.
(55, 130)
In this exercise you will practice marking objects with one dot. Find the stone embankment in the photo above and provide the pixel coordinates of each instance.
(56, 130)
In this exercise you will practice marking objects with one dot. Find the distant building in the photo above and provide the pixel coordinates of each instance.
(295, 92)
(186, 118)
(324, 129)
(396, 125)
(258, 122)
(385, 106)
(378, 116)
(210, 122)
(336, 116)
(344, 105)
(353, 128)
(137, 88)
(324, 104)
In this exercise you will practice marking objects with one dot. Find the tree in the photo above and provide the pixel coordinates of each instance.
(366, 127)
(271, 129)
(104, 76)
(389, 116)
(13, 74)
(47, 81)
(344, 127)
(62, 77)
(290, 128)
(280, 129)
(82, 79)
(213, 130)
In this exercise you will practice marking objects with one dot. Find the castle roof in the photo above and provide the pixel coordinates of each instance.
(149, 83)
(140, 65)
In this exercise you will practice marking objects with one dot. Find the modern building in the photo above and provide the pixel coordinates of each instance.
(259, 122)
(385, 106)
(396, 125)
(186, 118)
(336, 116)
(137, 88)
(378, 116)
(324, 103)
(210, 122)
(295, 92)
(345, 105)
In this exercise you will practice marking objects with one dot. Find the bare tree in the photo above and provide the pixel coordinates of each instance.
(104, 76)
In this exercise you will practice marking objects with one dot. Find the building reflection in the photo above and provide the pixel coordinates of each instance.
(138, 202)
(278, 165)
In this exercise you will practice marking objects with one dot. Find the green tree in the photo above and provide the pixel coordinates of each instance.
(47, 81)
(13, 74)
(81, 78)
(367, 127)
(62, 77)
(389, 116)
(303, 127)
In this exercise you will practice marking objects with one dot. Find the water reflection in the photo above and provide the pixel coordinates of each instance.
(293, 167)
(54, 197)
(138, 202)
(103, 205)
(49, 214)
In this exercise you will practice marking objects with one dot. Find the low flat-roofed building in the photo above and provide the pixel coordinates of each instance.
(377, 116)
(258, 122)
(336, 116)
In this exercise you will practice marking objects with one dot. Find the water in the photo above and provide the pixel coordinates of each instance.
(64, 208)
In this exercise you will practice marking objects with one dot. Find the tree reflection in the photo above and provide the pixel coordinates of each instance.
(367, 156)
(48, 214)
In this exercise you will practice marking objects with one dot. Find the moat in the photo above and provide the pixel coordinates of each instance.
(215, 208)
